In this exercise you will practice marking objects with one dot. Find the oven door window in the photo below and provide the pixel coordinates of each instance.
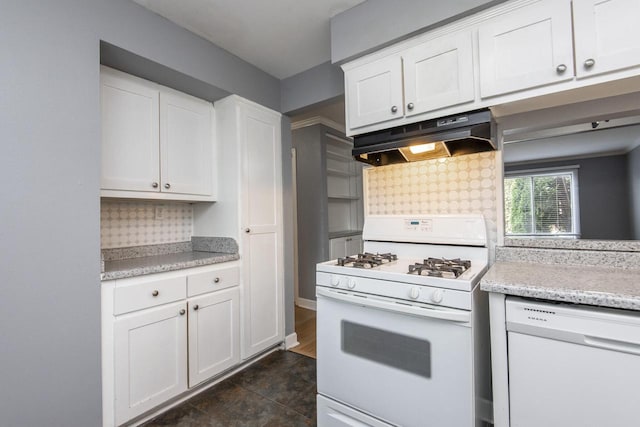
(399, 351)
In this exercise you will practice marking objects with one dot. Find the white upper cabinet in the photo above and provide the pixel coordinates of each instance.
(518, 50)
(130, 114)
(607, 35)
(374, 92)
(525, 48)
(185, 143)
(432, 75)
(157, 143)
(439, 73)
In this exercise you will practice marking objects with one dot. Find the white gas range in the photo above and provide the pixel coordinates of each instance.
(402, 335)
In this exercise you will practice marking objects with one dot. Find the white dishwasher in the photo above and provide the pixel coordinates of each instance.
(572, 366)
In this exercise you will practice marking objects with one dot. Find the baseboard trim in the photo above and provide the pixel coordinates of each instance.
(291, 341)
(309, 304)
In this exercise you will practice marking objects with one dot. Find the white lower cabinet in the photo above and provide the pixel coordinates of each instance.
(165, 333)
(150, 354)
(214, 334)
(341, 247)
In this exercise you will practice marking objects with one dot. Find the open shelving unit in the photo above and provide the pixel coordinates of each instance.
(329, 202)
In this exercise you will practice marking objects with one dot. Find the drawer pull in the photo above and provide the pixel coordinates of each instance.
(216, 280)
(196, 307)
(155, 293)
(182, 312)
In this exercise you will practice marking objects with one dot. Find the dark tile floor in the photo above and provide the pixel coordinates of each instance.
(277, 391)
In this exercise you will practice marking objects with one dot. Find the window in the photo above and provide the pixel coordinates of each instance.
(541, 202)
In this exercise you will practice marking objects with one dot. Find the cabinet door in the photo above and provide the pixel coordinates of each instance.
(373, 92)
(354, 245)
(130, 150)
(526, 48)
(606, 35)
(150, 356)
(338, 248)
(214, 334)
(186, 144)
(439, 74)
(261, 219)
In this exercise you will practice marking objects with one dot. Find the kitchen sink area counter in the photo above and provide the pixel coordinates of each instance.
(555, 312)
(120, 263)
(590, 285)
(607, 278)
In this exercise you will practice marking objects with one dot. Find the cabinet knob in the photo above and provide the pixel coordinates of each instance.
(247, 230)
(216, 280)
(167, 185)
(195, 307)
(182, 312)
(154, 185)
(589, 63)
(155, 293)
(410, 106)
(561, 68)
(394, 109)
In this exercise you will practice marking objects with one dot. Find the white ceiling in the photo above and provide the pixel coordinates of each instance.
(281, 37)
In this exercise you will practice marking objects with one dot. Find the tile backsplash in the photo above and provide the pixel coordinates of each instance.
(455, 185)
(137, 223)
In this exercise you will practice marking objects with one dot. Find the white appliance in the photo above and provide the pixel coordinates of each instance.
(572, 365)
(405, 348)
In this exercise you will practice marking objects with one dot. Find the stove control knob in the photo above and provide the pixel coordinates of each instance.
(415, 292)
(351, 284)
(437, 296)
(335, 281)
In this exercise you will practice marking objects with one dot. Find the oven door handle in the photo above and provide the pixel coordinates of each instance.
(396, 307)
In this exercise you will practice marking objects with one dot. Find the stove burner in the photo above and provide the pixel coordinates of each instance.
(367, 260)
(440, 267)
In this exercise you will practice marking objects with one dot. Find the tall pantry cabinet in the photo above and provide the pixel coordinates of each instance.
(249, 209)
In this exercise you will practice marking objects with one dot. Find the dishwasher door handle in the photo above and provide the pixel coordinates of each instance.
(614, 345)
(396, 307)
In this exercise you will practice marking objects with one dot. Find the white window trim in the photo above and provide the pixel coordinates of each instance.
(575, 208)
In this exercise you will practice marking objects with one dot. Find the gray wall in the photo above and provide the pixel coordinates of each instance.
(50, 164)
(311, 195)
(634, 191)
(377, 23)
(603, 194)
(287, 214)
(316, 85)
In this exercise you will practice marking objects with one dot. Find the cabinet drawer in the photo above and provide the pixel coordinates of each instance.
(213, 280)
(138, 294)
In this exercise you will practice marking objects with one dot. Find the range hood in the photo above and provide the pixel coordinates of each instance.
(445, 137)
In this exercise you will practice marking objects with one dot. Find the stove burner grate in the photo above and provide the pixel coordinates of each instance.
(440, 267)
(367, 260)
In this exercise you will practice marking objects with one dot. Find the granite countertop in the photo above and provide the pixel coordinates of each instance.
(581, 284)
(120, 263)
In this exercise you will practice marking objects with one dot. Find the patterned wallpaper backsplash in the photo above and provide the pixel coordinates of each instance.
(134, 223)
(455, 185)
